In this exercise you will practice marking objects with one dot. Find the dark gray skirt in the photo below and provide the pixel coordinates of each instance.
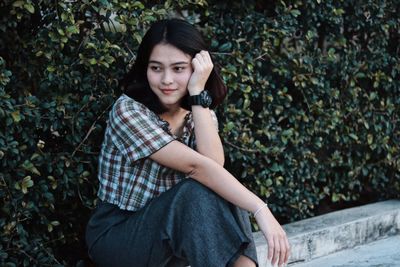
(187, 225)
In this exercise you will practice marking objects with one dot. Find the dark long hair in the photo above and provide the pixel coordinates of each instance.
(186, 38)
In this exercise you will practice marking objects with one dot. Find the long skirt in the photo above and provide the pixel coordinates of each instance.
(188, 224)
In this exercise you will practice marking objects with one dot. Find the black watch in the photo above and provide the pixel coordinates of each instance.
(204, 99)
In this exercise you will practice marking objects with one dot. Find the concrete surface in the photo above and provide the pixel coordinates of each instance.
(336, 231)
(381, 253)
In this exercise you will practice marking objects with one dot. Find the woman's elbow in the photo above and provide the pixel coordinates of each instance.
(201, 169)
(221, 160)
(196, 169)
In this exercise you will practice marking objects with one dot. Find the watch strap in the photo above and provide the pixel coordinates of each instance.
(195, 100)
(203, 99)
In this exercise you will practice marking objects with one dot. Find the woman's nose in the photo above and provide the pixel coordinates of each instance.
(167, 78)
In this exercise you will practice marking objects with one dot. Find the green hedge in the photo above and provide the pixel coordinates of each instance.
(311, 121)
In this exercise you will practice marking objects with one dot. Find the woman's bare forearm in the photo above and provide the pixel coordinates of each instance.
(223, 183)
(208, 141)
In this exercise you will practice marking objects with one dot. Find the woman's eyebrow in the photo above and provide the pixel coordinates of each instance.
(180, 63)
(175, 63)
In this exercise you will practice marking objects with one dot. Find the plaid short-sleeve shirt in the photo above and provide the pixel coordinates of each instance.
(128, 177)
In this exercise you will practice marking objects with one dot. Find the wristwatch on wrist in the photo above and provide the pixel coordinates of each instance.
(203, 99)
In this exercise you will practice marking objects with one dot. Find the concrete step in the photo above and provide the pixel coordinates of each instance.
(383, 253)
(336, 231)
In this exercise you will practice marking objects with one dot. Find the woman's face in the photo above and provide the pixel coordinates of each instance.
(168, 74)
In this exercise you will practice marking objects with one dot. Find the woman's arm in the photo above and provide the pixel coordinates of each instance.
(207, 139)
(208, 142)
(207, 171)
(178, 156)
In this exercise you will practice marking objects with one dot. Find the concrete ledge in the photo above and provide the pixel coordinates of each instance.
(322, 235)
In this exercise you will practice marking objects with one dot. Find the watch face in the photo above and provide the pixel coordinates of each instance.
(206, 98)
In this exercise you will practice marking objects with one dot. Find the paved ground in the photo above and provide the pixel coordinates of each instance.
(381, 253)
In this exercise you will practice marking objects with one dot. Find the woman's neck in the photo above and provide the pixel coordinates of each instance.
(173, 113)
(175, 119)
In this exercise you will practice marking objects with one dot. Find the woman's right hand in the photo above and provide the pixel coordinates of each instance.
(278, 243)
(202, 67)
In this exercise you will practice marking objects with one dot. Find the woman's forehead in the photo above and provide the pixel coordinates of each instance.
(168, 54)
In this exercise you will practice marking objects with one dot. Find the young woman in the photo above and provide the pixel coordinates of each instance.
(164, 197)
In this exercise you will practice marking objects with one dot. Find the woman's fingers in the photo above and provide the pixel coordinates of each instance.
(284, 250)
(202, 67)
(277, 250)
(202, 64)
(271, 248)
(204, 59)
(195, 63)
(200, 58)
(287, 250)
(206, 56)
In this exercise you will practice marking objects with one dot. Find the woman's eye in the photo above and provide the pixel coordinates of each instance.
(155, 68)
(179, 69)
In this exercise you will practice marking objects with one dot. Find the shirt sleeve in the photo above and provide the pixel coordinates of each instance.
(134, 131)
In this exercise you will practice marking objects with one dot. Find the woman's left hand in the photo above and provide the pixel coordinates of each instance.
(278, 243)
(202, 67)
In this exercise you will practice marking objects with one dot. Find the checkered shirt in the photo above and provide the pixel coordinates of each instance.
(128, 177)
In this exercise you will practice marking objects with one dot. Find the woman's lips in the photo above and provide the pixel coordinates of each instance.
(167, 91)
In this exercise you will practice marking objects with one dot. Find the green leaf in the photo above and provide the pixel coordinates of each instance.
(335, 197)
(314, 80)
(61, 31)
(229, 126)
(26, 183)
(72, 29)
(29, 7)
(295, 12)
(225, 47)
(85, 174)
(138, 5)
(275, 167)
(355, 137)
(64, 16)
(18, 3)
(17, 186)
(338, 11)
(370, 139)
(55, 223)
(16, 116)
(27, 165)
